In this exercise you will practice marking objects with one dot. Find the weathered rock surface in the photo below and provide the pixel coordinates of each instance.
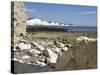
(42, 54)
(18, 21)
(86, 39)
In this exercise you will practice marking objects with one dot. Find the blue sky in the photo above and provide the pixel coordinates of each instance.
(63, 13)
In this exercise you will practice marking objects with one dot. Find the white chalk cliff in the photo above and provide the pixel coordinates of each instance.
(44, 22)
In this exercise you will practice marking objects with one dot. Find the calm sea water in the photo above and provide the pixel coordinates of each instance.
(63, 28)
(82, 28)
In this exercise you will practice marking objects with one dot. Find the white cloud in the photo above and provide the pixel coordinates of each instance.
(85, 13)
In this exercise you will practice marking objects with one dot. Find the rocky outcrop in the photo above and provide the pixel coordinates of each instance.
(86, 39)
(18, 21)
(42, 54)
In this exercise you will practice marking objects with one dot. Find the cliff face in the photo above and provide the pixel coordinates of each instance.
(18, 21)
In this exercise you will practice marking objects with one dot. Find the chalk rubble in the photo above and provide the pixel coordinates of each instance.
(86, 39)
(36, 53)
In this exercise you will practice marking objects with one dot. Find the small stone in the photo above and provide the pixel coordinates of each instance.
(52, 56)
(26, 57)
(23, 46)
(14, 49)
(37, 51)
(20, 61)
(23, 40)
(32, 50)
(15, 59)
(65, 48)
(68, 45)
(61, 45)
(57, 49)
(41, 63)
(40, 47)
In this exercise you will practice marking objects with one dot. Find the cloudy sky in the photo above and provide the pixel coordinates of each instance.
(68, 14)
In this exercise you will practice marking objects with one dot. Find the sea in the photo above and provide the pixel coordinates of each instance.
(82, 28)
(63, 28)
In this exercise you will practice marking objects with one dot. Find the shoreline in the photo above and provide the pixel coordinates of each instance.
(82, 55)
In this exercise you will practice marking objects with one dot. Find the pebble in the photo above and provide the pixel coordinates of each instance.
(14, 49)
(15, 59)
(65, 48)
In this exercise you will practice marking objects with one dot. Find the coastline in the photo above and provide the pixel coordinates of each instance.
(82, 55)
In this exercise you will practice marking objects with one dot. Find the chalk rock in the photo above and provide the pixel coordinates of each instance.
(41, 47)
(65, 48)
(45, 53)
(26, 57)
(61, 45)
(42, 58)
(24, 40)
(35, 51)
(40, 63)
(52, 56)
(21, 61)
(85, 39)
(24, 46)
(38, 52)
(68, 45)
(58, 44)
(14, 49)
(57, 49)
(38, 46)
(15, 59)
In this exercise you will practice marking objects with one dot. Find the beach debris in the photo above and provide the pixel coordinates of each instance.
(38, 52)
(85, 39)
